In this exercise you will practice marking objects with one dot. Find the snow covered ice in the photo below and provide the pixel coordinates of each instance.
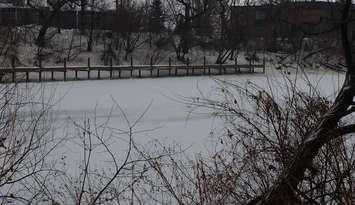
(167, 120)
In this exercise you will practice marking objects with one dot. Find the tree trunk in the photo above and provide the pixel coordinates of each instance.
(283, 192)
(41, 38)
(91, 33)
(83, 4)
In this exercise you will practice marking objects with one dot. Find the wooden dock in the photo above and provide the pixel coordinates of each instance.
(91, 72)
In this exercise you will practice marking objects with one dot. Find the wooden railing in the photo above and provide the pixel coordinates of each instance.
(89, 72)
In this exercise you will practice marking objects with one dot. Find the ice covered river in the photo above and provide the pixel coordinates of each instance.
(165, 119)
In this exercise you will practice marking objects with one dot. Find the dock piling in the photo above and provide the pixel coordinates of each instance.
(264, 62)
(13, 73)
(204, 65)
(235, 65)
(250, 66)
(111, 68)
(131, 66)
(135, 71)
(65, 69)
(151, 66)
(13, 76)
(169, 66)
(89, 65)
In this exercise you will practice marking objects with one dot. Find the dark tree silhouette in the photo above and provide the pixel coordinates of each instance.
(284, 191)
(157, 19)
(47, 16)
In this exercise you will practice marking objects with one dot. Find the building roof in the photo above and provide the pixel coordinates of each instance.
(10, 3)
(297, 4)
(6, 5)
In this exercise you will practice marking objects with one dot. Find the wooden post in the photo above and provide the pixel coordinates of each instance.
(40, 74)
(139, 72)
(27, 76)
(264, 62)
(76, 74)
(98, 73)
(40, 61)
(204, 65)
(176, 70)
(250, 66)
(89, 68)
(131, 66)
(187, 69)
(111, 68)
(65, 69)
(236, 65)
(169, 66)
(2, 77)
(13, 76)
(13, 73)
(52, 75)
(151, 66)
(40, 66)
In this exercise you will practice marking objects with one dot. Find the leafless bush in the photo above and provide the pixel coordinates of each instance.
(262, 134)
(9, 43)
(25, 143)
(155, 57)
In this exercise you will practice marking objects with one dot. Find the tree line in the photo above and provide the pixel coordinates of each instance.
(294, 149)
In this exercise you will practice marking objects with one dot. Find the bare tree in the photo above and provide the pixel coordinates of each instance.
(47, 16)
(183, 13)
(9, 41)
(25, 144)
(127, 34)
(327, 130)
(225, 42)
(293, 149)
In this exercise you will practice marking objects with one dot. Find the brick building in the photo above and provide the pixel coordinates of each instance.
(11, 3)
(265, 24)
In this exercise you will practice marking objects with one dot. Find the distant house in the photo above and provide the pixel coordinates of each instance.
(265, 24)
(11, 3)
(13, 13)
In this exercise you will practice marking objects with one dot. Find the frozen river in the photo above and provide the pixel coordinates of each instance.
(167, 120)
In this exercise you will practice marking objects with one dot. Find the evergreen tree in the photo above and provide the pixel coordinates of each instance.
(157, 19)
